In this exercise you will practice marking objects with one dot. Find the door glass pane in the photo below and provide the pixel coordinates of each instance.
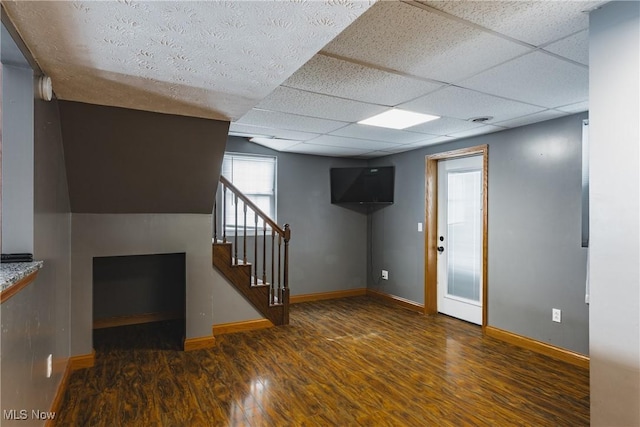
(464, 234)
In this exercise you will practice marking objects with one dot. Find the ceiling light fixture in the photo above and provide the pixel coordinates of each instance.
(398, 119)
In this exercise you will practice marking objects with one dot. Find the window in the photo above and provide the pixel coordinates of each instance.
(255, 176)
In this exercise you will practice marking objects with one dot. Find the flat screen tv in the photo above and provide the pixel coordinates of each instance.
(370, 185)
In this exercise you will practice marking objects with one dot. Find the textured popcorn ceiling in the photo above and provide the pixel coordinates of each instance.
(305, 71)
(213, 59)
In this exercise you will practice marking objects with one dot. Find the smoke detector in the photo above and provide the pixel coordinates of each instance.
(481, 119)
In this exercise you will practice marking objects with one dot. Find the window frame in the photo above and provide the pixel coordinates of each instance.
(230, 226)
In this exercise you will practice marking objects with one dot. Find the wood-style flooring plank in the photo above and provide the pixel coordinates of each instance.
(349, 362)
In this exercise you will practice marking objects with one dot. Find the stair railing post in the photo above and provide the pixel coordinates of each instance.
(273, 257)
(244, 234)
(287, 237)
(285, 290)
(255, 247)
(235, 246)
(215, 218)
(224, 213)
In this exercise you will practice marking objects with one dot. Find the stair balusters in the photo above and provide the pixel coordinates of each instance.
(278, 295)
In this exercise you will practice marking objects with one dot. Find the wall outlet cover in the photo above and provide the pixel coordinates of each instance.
(385, 275)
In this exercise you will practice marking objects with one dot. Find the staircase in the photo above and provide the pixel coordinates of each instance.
(252, 252)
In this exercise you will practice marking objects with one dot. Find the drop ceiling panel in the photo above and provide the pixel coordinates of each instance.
(443, 126)
(482, 130)
(324, 150)
(157, 55)
(533, 118)
(330, 76)
(274, 119)
(412, 40)
(575, 108)
(276, 144)
(534, 22)
(464, 104)
(375, 133)
(575, 47)
(275, 132)
(432, 141)
(288, 100)
(537, 78)
(337, 141)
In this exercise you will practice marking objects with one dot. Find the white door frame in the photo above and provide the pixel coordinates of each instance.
(431, 221)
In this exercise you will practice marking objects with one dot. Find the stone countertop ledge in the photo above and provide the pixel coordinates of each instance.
(12, 273)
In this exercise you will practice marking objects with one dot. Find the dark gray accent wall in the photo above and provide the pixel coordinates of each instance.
(129, 161)
(36, 321)
(328, 242)
(535, 258)
(139, 284)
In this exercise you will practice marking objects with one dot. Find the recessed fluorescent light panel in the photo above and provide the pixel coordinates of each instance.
(398, 119)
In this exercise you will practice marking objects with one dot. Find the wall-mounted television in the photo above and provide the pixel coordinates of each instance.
(369, 185)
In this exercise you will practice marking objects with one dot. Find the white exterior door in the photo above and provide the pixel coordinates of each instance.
(460, 238)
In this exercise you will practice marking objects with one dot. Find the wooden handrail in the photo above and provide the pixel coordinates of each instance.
(252, 205)
(276, 308)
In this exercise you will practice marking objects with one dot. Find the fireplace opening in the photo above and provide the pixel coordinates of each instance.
(139, 301)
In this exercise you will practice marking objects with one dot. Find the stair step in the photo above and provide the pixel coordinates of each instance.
(242, 276)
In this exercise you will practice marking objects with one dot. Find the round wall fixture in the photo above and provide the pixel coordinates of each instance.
(45, 89)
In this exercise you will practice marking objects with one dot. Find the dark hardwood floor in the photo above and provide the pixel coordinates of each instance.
(350, 362)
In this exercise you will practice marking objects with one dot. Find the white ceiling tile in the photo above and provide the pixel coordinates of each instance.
(412, 40)
(534, 22)
(376, 133)
(443, 126)
(336, 77)
(578, 107)
(274, 119)
(460, 103)
(484, 129)
(276, 144)
(399, 149)
(338, 141)
(537, 78)
(325, 150)
(532, 118)
(372, 155)
(432, 141)
(213, 59)
(288, 100)
(275, 132)
(575, 47)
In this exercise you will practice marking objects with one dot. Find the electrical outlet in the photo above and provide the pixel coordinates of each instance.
(556, 315)
(385, 275)
(49, 365)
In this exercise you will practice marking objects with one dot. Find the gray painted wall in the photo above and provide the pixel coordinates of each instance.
(17, 159)
(328, 242)
(36, 321)
(128, 161)
(536, 261)
(614, 52)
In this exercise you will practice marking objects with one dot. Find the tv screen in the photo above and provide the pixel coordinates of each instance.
(362, 185)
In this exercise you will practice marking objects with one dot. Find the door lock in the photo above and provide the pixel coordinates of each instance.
(440, 249)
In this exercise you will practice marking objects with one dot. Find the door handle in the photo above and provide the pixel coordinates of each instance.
(440, 249)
